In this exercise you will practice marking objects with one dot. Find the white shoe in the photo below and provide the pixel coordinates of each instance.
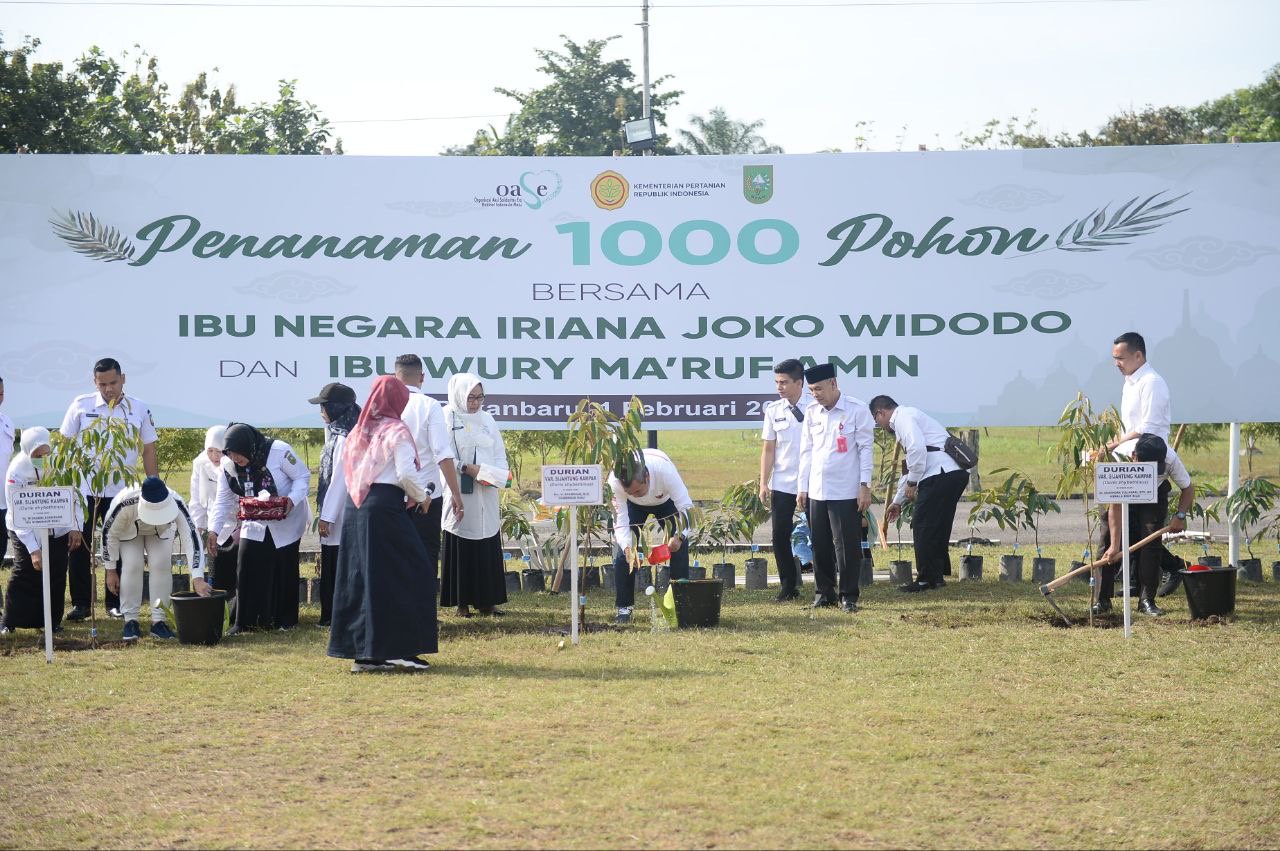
(413, 665)
(371, 666)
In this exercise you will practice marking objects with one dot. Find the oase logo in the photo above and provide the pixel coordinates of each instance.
(534, 188)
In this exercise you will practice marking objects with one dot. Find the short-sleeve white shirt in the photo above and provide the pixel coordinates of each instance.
(90, 408)
(782, 427)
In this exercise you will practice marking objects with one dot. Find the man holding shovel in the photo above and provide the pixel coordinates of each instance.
(1144, 519)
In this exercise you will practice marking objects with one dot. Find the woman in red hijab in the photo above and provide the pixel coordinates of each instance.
(384, 608)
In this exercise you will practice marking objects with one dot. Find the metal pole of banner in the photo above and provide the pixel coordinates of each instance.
(573, 572)
(44, 584)
(1233, 482)
(644, 28)
(1124, 548)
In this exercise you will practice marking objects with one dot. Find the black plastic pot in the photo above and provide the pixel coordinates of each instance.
(302, 590)
(1251, 569)
(590, 578)
(698, 572)
(1210, 561)
(697, 602)
(1210, 592)
(662, 578)
(726, 573)
(1082, 578)
(199, 619)
(971, 569)
(757, 574)
(643, 578)
(512, 578)
(1043, 570)
(532, 579)
(315, 588)
(610, 578)
(1011, 568)
(900, 572)
(1275, 571)
(868, 574)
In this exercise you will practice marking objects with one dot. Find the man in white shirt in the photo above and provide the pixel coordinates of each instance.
(780, 467)
(6, 455)
(1144, 402)
(425, 418)
(648, 486)
(1144, 519)
(934, 481)
(84, 412)
(834, 485)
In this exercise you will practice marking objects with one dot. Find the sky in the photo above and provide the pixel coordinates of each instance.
(415, 79)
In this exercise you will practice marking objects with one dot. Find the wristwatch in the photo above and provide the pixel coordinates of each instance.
(1181, 515)
(912, 484)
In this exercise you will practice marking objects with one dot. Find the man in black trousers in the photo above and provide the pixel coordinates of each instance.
(934, 481)
(780, 467)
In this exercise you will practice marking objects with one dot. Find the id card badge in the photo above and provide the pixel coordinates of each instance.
(842, 444)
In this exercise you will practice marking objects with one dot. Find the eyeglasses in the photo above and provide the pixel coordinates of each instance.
(475, 398)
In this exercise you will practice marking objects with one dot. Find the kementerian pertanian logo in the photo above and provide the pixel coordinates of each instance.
(757, 183)
(610, 190)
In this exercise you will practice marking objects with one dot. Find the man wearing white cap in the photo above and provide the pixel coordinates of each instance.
(142, 524)
(204, 487)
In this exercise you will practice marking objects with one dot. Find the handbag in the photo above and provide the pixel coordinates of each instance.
(272, 508)
(962, 453)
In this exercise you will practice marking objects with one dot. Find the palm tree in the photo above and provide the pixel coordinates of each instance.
(719, 134)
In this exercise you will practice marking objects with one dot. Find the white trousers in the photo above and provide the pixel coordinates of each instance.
(133, 554)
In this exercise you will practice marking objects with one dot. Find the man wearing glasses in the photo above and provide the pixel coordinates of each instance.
(780, 467)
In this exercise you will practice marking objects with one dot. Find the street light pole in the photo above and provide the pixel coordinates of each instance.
(644, 103)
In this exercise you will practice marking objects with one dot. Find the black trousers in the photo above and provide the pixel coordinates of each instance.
(1144, 518)
(782, 513)
(222, 573)
(267, 584)
(836, 528)
(80, 580)
(328, 570)
(931, 521)
(24, 600)
(427, 525)
(666, 515)
(4, 533)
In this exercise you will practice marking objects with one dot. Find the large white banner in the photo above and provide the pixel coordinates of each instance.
(985, 287)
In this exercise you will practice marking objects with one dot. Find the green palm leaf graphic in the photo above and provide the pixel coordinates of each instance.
(1095, 231)
(92, 238)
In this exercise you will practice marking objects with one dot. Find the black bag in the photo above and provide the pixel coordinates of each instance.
(962, 453)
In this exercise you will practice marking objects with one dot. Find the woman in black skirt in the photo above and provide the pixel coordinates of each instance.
(266, 592)
(384, 611)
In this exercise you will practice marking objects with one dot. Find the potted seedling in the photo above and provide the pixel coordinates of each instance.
(900, 568)
(970, 564)
(746, 498)
(1249, 508)
(1030, 506)
(1082, 442)
(515, 527)
(1206, 507)
(722, 527)
(999, 504)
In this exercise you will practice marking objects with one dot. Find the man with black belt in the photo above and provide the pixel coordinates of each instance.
(780, 467)
(1144, 519)
(834, 485)
(108, 402)
(425, 418)
(648, 485)
(934, 481)
(1144, 402)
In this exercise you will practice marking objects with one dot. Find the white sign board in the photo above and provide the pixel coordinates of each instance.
(43, 508)
(572, 484)
(682, 280)
(1126, 482)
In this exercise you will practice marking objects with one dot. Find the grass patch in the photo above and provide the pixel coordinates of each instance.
(960, 718)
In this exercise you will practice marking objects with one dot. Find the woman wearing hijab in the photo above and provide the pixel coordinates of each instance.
(472, 573)
(254, 466)
(24, 599)
(339, 411)
(205, 472)
(384, 611)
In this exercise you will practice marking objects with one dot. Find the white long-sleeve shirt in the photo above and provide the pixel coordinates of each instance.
(1144, 407)
(425, 418)
(664, 484)
(204, 489)
(826, 473)
(335, 497)
(122, 524)
(916, 431)
(400, 471)
(22, 474)
(782, 427)
(476, 439)
(292, 479)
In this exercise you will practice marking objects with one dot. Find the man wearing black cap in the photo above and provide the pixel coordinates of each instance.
(835, 484)
(1144, 519)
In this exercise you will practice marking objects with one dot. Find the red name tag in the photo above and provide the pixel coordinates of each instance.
(842, 445)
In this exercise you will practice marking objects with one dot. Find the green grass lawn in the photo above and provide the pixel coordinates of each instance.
(961, 718)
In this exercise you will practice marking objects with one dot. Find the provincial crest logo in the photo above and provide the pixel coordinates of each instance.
(610, 190)
(757, 183)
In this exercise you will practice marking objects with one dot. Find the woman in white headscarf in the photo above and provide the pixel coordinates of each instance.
(471, 574)
(24, 598)
(205, 472)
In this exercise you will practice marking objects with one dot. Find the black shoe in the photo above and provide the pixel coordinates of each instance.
(372, 666)
(847, 605)
(1102, 607)
(822, 603)
(77, 614)
(938, 583)
(786, 596)
(1171, 582)
(1148, 607)
(916, 587)
(232, 630)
